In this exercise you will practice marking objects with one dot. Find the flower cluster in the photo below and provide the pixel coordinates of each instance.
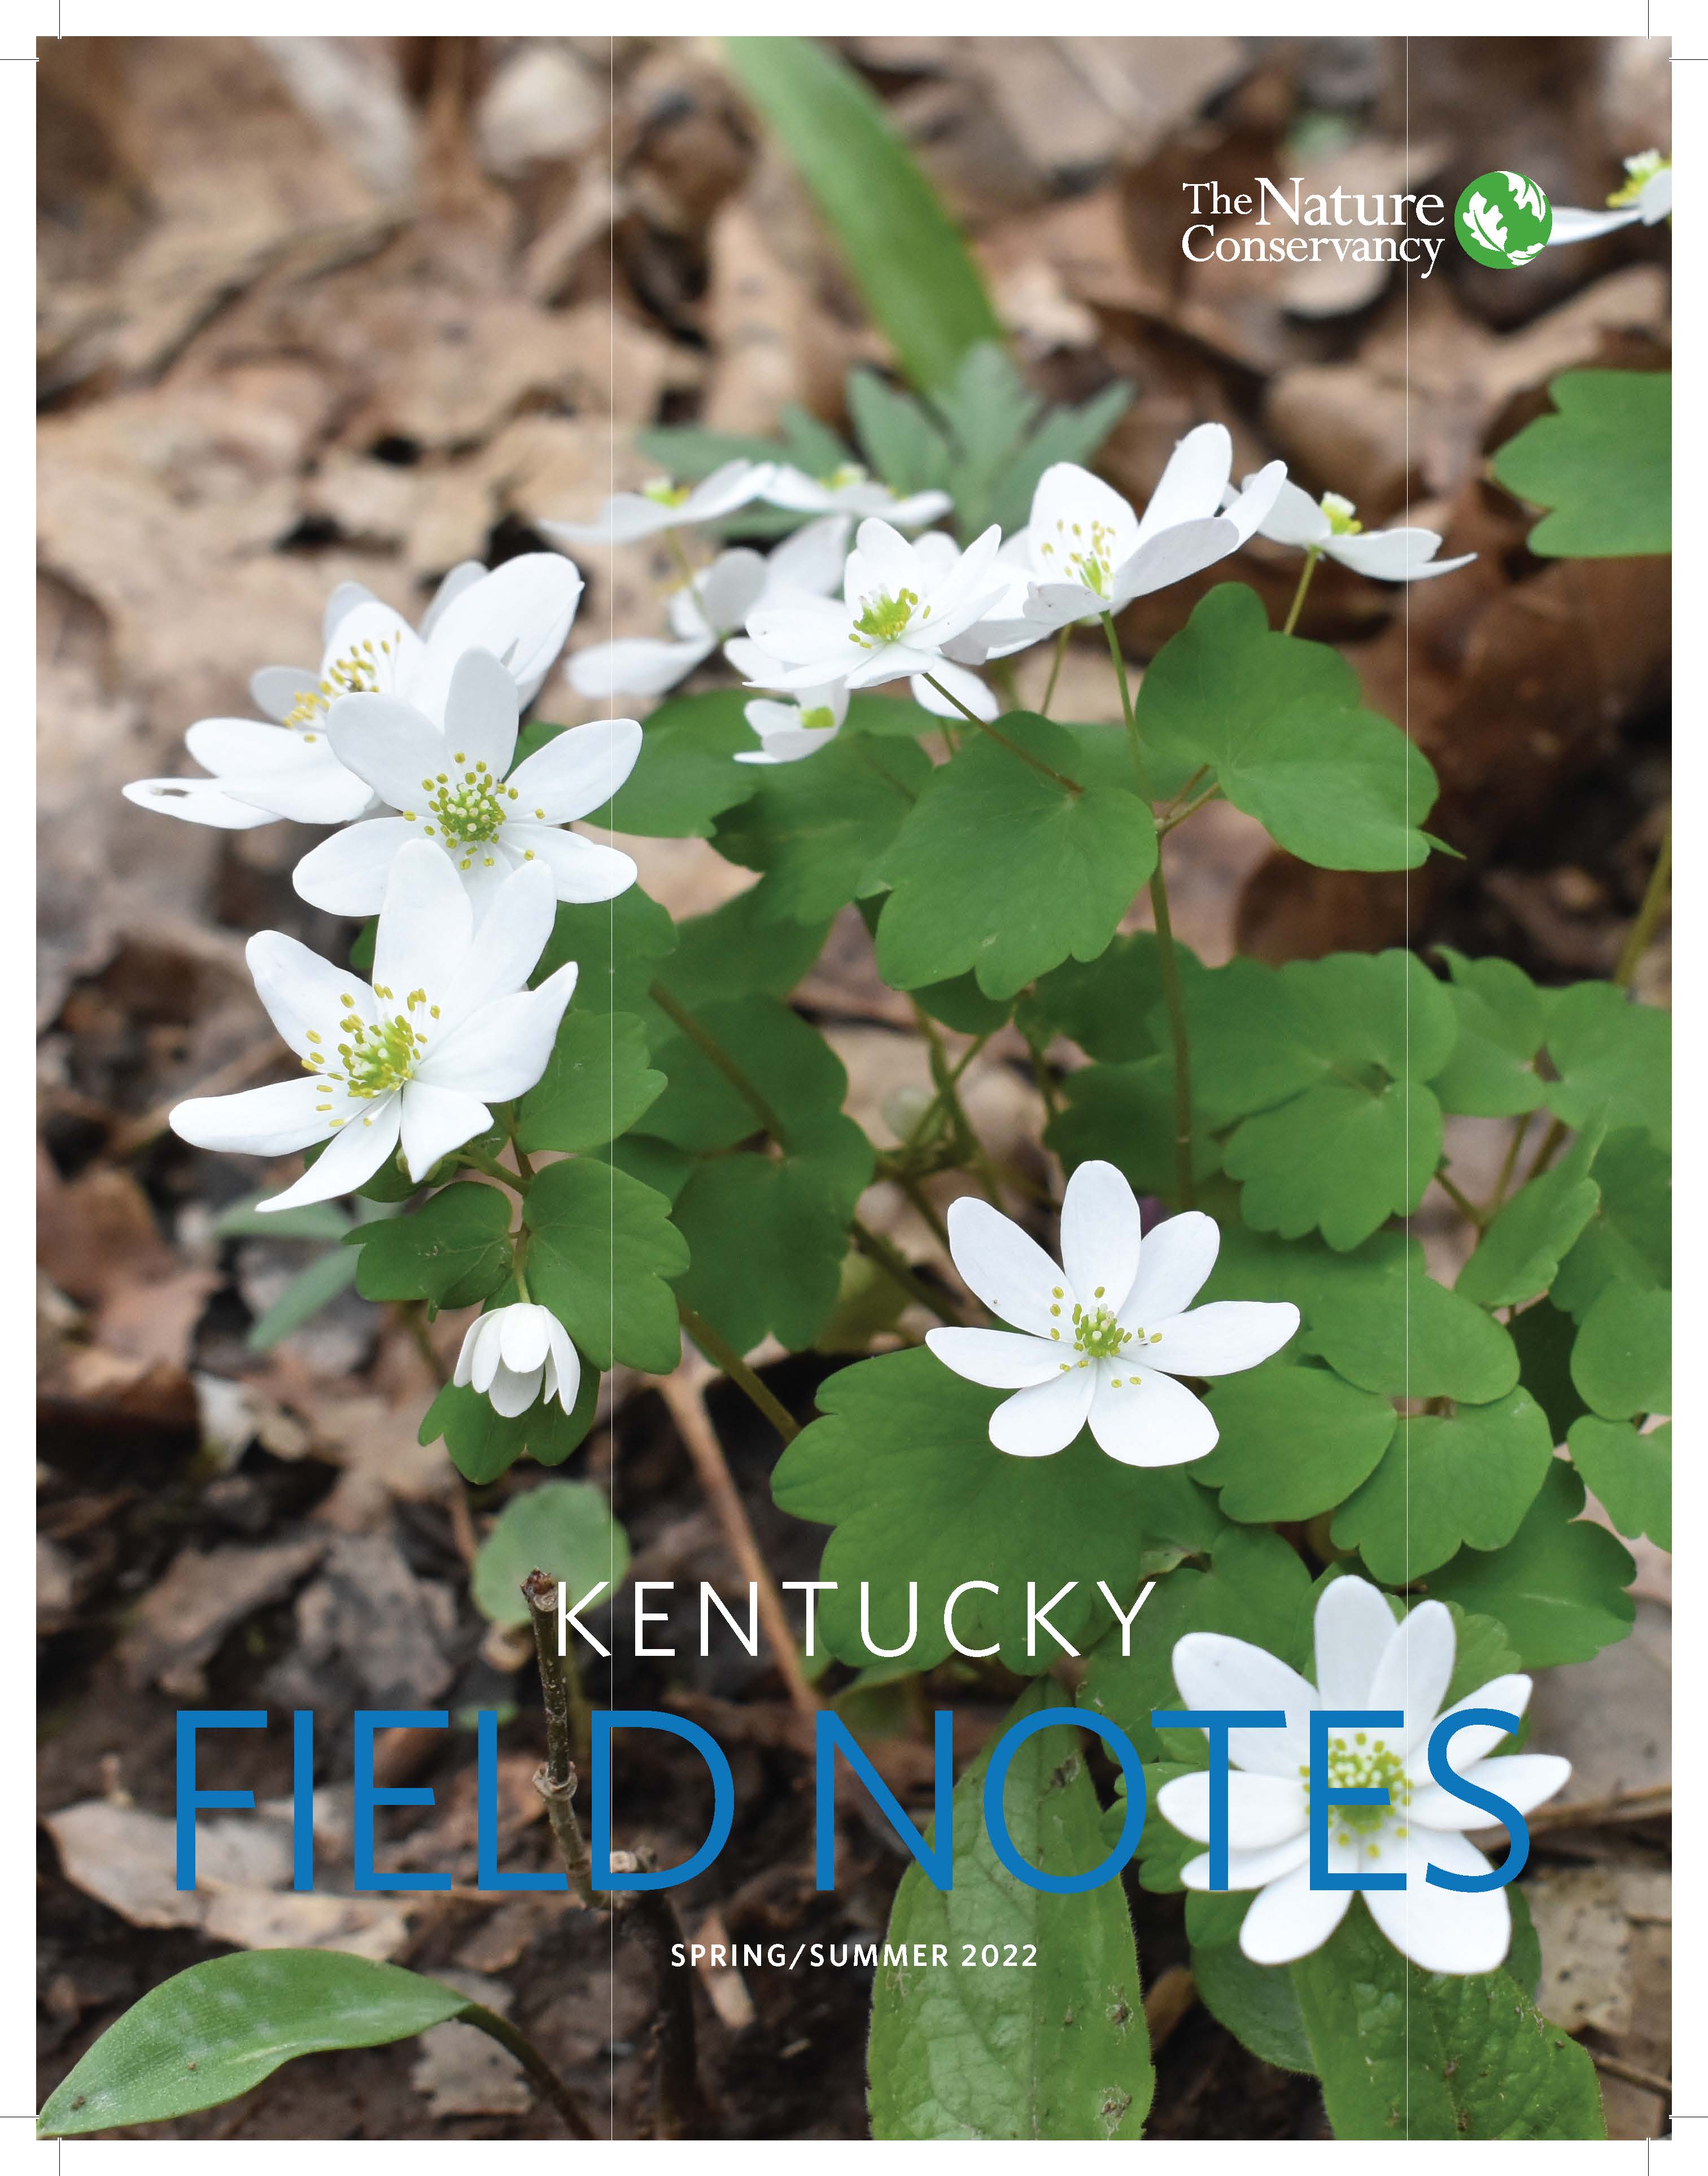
(405, 740)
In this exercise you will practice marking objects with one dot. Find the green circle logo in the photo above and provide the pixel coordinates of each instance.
(1502, 219)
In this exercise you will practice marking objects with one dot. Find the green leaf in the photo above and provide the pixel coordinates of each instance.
(619, 944)
(1622, 1363)
(1281, 719)
(310, 1290)
(1065, 434)
(815, 827)
(1445, 1482)
(1294, 1441)
(686, 774)
(1629, 1239)
(1603, 462)
(1492, 1073)
(1376, 1315)
(910, 264)
(1544, 1337)
(453, 1250)
(1258, 2003)
(1338, 1159)
(564, 1528)
(1557, 1585)
(1000, 869)
(1125, 1115)
(1520, 1254)
(897, 436)
(207, 2034)
(783, 1057)
(314, 1220)
(1408, 2054)
(733, 952)
(1054, 2049)
(601, 1254)
(1107, 1005)
(1614, 1058)
(1631, 1474)
(595, 1084)
(484, 1444)
(768, 1237)
(902, 1466)
(1256, 1589)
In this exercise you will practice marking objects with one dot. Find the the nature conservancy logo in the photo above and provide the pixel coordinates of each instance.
(1503, 220)
(1276, 223)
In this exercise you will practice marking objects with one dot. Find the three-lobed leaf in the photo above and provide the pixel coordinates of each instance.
(452, 1252)
(601, 1254)
(1603, 463)
(564, 1528)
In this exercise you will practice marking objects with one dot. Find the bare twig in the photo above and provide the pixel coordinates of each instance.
(1616, 2066)
(556, 1782)
(686, 1399)
(683, 2111)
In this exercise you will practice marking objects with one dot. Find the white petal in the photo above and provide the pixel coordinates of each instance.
(276, 687)
(357, 1149)
(1524, 1780)
(1006, 1268)
(637, 665)
(1655, 202)
(488, 1349)
(1221, 1339)
(344, 599)
(436, 1120)
(576, 771)
(347, 874)
(624, 519)
(425, 924)
(564, 1366)
(583, 871)
(1508, 1695)
(1037, 1422)
(390, 652)
(521, 611)
(1289, 1919)
(1415, 1669)
(264, 1121)
(1353, 1627)
(1171, 555)
(1570, 223)
(501, 1051)
(1392, 555)
(1145, 1418)
(1294, 519)
(954, 680)
(1255, 500)
(464, 575)
(882, 562)
(1100, 1236)
(1441, 1929)
(196, 801)
(812, 559)
(482, 709)
(998, 1358)
(1262, 1810)
(323, 792)
(788, 487)
(1174, 1259)
(729, 589)
(512, 934)
(1250, 1869)
(920, 507)
(465, 1353)
(398, 750)
(1214, 1671)
(1191, 485)
(523, 1339)
(303, 992)
(1066, 502)
(224, 746)
(735, 484)
(511, 1394)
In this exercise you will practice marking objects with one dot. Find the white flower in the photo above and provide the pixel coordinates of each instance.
(1363, 1660)
(1088, 553)
(792, 729)
(1106, 1335)
(851, 490)
(454, 786)
(1646, 195)
(710, 608)
(659, 505)
(899, 606)
(520, 612)
(953, 682)
(448, 1023)
(508, 1353)
(1386, 555)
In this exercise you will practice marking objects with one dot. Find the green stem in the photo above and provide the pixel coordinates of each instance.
(1047, 1085)
(1185, 1184)
(1004, 675)
(1044, 770)
(533, 2062)
(1055, 670)
(926, 1208)
(719, 1350)
(895, 1265)
(1313, 554)
(1544, 1156)
(1520, 1126)
(705, 1041)
(478, 1160)
(1170, 822)
(1461, 1201)
(1648, 914)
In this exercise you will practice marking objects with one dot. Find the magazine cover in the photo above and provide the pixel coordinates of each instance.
(855, 1084)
